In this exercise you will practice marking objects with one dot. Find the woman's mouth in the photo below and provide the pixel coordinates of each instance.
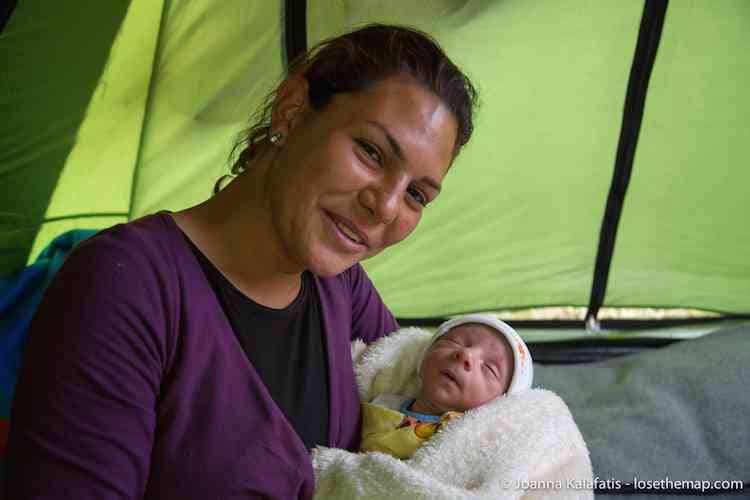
(348, 234)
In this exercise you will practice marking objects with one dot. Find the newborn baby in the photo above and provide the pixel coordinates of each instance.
(471, 360)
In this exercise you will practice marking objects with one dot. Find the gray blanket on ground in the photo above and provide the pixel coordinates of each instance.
(679, 412)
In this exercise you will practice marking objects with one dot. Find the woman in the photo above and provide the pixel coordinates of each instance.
(201, 354)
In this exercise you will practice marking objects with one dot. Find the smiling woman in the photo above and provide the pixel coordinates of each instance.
(340, 189)
(213, 342)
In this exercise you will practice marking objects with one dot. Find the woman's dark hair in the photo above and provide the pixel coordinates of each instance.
(354, 61)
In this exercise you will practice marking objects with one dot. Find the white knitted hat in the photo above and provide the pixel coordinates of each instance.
(523, 367)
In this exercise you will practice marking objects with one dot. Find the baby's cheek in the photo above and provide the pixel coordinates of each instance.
(493, 392)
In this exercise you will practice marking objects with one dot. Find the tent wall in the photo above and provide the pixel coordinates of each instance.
(683, 236)
(519, 218)
(52, 58)
(518, 222)
(155, 125)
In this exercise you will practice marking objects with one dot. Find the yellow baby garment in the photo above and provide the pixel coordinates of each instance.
(383, 431)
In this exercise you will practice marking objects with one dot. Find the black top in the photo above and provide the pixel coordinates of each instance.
(285, 346)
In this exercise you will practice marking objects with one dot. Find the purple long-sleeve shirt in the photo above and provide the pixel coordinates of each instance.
(135, 386)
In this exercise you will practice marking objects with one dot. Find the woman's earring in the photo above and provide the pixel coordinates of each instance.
(275, 138)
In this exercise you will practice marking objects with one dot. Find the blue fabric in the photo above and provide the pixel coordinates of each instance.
(20, 295)
(419, 416)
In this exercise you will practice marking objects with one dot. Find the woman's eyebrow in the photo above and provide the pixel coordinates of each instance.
(395, 146)
(399, 152)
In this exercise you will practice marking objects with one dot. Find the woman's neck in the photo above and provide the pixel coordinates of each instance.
(233, 230)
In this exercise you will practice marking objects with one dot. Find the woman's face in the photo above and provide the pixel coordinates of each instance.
(354, 178)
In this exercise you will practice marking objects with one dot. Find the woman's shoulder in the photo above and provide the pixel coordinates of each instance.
(121, 275)
(151, 233)
(147, 251)
(153, 241)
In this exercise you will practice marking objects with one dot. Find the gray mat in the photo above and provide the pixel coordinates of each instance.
(680, 412)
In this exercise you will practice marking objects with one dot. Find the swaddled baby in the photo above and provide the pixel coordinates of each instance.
(471, 360)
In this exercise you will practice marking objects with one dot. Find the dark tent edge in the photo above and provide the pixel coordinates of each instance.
(295, 29)
(5, 13)
(647, 46)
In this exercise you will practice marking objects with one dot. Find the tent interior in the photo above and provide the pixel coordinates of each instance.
(598, 207)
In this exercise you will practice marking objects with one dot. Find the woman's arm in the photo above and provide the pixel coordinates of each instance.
(84, 415)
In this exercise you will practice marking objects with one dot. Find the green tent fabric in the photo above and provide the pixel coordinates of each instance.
(124, 108)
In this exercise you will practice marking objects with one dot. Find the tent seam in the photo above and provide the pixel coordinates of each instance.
(88, 215)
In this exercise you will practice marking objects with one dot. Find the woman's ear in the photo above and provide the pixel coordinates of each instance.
(290, 104)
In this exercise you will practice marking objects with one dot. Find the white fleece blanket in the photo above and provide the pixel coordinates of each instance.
(518, 447)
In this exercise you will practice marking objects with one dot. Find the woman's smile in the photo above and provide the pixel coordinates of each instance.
(352, 238)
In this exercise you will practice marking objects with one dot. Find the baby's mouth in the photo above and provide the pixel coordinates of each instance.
(449, 375)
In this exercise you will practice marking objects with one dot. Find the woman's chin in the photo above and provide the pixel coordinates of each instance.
(330, 266)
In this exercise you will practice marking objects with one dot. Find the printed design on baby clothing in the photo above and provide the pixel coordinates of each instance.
(425, 430)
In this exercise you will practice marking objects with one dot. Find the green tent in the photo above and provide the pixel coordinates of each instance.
(608, 167)
(607, 170)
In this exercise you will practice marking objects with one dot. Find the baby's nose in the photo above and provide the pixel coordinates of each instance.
(466, 359)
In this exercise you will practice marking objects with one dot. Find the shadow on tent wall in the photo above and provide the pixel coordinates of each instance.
(5, 12)
(49, 45)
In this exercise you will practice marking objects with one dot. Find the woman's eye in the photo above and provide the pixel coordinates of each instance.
(370, 151)
(417, 195)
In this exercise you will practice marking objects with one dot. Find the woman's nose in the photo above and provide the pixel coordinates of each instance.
(383, 199)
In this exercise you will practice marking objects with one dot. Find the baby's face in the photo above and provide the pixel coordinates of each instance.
(470, 365)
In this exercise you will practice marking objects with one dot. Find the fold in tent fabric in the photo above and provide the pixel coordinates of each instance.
(132, 107)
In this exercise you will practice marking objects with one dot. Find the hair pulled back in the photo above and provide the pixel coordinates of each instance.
(354, 61)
